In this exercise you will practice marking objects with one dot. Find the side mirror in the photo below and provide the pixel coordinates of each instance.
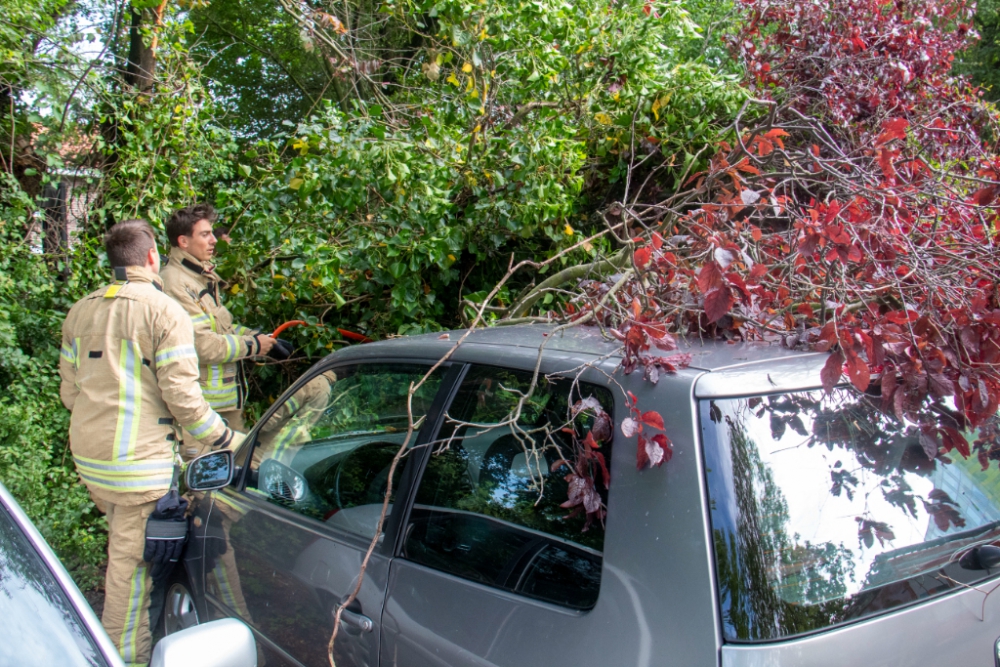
(210, 471)
(984, 557)
(223, 643)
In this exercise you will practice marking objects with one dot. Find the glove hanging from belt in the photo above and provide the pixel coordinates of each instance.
(166, 532)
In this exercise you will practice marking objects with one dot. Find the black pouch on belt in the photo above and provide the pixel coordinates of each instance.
(166, 533)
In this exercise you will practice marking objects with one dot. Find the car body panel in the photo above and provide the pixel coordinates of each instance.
(292, 574)
(958, 629)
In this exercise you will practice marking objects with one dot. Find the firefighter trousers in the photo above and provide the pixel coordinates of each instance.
(127, 584)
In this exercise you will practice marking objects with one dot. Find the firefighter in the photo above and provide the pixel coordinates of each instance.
(190, 278)
(129, 375)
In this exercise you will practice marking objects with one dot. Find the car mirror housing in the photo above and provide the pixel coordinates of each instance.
(223, 643)
(210, 471)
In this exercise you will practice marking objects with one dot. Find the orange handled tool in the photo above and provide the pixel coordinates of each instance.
(288, 325)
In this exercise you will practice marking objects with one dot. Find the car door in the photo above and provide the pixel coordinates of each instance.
(284, 548)
(496, 564)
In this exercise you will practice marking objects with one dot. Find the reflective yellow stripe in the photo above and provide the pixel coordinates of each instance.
(112, 290)
(225, 588)
(219, 394)
(164, 357)
(287, 437)
(235, 343)
(205, 425)
(136, 600)
(69, 352)
(144, 475)
(222, 401)
(129, 399)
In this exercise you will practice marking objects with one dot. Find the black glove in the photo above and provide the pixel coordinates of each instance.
(166, 533)
(281, 349)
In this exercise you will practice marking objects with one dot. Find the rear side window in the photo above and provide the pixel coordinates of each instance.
(493, 504)
(825, 510)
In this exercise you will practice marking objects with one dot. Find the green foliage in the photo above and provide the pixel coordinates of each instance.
(169, 148)
(34, 454)
(499, 137)
(981, 62)
(256, 65)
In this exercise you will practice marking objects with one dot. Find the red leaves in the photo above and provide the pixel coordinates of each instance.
(830, 375)
(717, 303)
(652, 418)
(943, 510)
(857, 371)
(582, 492)
(653, 451)
(710, 277)
(855, 207)
(719, 298)
(894, 128)
(985, 196)
(641, 256)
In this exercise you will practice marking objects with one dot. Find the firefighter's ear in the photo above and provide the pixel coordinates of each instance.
(153, 259)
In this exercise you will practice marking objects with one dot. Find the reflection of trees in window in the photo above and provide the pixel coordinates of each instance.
(774, 584)
(374, 398)
(23, 572)
(878, 442)
(770, 586)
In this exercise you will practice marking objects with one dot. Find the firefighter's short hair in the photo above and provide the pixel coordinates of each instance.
(128, 243)
(181, 222)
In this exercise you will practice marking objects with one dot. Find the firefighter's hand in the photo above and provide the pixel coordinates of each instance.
(265, 343)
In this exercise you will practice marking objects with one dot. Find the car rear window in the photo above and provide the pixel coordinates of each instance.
(825, 510)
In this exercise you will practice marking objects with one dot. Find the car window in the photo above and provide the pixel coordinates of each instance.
(326, 451)
(40, 626)
(493, 504)
(826, 509)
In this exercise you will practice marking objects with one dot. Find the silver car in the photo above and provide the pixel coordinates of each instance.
(789, 527)
(47, 621)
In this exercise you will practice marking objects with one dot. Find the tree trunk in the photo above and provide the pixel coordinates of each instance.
(55, 230)
(141, 67)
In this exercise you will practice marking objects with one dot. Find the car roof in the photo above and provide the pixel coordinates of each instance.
(727, 368)
(707, 354)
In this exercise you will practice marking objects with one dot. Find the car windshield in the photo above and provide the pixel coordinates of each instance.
(40, 626)
(826, 509)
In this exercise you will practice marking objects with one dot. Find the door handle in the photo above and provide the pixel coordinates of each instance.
(355, 620)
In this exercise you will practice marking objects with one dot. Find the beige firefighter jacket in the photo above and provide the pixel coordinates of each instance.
(219, 341)
(291, 424)
(129, 376)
